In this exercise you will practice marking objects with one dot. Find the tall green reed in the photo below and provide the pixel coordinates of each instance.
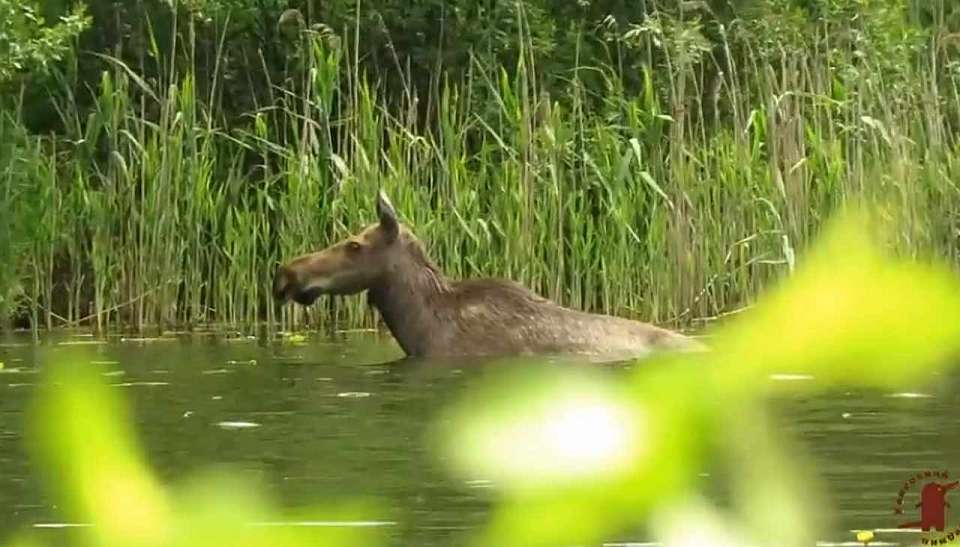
(152, 211)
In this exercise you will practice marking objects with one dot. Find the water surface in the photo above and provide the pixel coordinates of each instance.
(327, 419)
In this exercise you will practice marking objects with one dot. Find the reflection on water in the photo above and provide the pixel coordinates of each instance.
(322, 419)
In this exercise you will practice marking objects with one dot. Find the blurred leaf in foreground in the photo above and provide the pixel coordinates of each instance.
(565, 426)
(81, 436)
(82, 439)
(850, 315)
(574, 453)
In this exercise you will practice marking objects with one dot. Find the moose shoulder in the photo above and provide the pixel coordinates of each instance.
(432, 316)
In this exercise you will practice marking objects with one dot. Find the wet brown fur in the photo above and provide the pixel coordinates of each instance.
(432, 316)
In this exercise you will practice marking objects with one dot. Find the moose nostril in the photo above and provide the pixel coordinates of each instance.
(280, 283)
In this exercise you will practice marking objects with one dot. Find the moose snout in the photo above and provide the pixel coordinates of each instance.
(282, 283)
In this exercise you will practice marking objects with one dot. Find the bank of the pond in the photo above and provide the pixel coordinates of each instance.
(671, 201)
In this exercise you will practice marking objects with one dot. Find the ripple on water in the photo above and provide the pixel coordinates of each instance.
(329, 523)
(146, 340)
(908, 395)
(791, 377)
(853, 543)
(354, 394)
(237, 425)
(18, 371)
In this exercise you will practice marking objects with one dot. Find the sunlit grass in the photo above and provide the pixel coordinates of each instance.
(151, 212)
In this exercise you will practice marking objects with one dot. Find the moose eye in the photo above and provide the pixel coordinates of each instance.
(353, 246)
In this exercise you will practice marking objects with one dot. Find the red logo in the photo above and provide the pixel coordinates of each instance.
(932, 505)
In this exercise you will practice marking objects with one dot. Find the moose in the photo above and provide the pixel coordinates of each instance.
(432, 316)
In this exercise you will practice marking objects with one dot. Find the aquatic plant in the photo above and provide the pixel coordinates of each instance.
(676, 201)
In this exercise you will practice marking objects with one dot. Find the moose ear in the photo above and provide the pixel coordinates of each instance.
(388, 216)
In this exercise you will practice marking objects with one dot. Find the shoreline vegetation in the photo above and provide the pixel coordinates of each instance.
(667, 167)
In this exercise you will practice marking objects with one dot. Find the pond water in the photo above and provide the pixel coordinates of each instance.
(327, 419)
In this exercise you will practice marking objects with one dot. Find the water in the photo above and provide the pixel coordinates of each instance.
(323, 420)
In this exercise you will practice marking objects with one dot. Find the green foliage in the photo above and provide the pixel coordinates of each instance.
(28, 196)
(666, 160)
(28, 44)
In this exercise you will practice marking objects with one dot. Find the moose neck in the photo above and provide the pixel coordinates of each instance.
(409, 300)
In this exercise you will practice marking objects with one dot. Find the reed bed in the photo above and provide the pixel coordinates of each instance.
(152, 212)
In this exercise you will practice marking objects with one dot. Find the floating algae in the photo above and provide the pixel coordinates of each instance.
(293, 338)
